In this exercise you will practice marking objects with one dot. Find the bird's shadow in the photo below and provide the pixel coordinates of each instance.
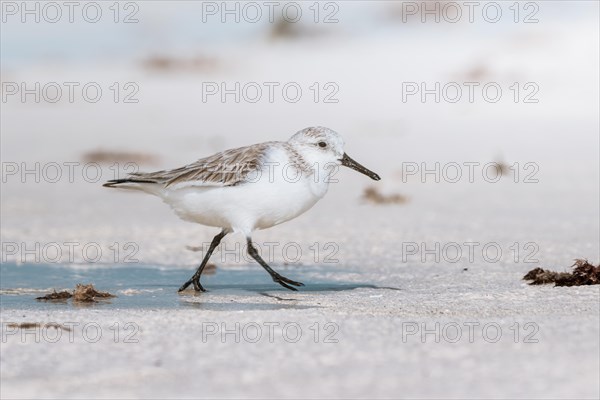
(261, 288)
(256, 281)
(248, 284)
(281, 298)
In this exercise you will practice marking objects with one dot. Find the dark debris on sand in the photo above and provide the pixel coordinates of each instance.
(110, 157)
(89, 294)
(583, 273)
(64, 295)
(372, 195)
(31, 325)
(165, 63)
(82, 294)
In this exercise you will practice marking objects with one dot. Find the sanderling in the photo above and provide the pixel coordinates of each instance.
(250, 188)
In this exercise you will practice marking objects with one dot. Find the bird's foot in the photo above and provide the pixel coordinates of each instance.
(197, 286)
(285, 282)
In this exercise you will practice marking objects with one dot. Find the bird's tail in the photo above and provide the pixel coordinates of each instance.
(145, 185)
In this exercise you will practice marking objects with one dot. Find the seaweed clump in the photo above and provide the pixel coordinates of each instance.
(583, 274)
(64, 295)
(89, 294)
(81, 294)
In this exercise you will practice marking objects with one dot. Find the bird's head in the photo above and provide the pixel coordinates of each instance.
(325, 147)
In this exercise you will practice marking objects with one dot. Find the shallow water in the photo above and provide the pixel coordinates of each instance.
(154, 287)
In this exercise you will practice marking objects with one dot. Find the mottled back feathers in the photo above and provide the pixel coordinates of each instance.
(227, 168)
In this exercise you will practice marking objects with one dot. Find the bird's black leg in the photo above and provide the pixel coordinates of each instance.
(282, 280)
(196, 278)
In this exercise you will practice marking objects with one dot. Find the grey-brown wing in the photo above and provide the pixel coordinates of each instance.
(227, 168)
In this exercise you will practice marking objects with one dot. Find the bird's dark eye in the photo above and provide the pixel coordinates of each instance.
(322, 144)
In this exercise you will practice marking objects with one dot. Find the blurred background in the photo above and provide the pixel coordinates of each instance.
(160, 84)
(481, 118)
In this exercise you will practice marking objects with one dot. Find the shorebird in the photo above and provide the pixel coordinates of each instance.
(249, 188)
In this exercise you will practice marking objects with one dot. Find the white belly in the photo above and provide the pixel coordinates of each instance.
(248, 206)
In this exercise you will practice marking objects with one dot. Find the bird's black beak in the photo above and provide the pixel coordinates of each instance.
(350, 163)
